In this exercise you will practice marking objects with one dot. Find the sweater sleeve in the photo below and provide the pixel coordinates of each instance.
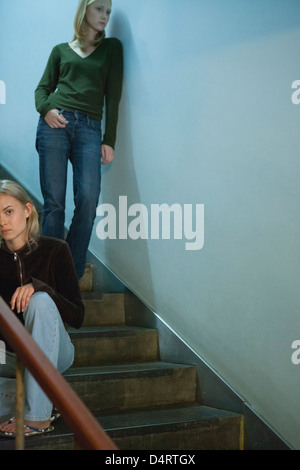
(66, 294)
(113, 92)
(48, 82)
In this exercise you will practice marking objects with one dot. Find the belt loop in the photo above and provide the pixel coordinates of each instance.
(88, 120)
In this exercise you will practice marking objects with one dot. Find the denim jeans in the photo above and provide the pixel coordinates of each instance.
(44, 323)
(79, 142)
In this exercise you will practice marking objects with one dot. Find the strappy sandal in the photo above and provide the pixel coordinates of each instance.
(34, 431)
(55, 415)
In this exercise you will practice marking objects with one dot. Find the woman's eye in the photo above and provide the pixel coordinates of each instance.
(108, 12)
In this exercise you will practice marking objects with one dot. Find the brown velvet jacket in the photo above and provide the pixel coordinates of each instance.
(49, 267)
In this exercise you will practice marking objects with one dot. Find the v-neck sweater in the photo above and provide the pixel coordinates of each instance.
(84, 84)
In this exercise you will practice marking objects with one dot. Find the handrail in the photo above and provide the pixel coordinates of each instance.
(87, 431)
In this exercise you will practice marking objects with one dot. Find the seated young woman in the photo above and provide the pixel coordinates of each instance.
(39, 283)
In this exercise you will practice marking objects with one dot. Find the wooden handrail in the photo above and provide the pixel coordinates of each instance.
(87, 431)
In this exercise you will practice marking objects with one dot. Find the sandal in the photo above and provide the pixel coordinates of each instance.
(55, 415)
(34, 431)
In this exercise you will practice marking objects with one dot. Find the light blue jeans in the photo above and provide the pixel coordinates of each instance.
(44, 323)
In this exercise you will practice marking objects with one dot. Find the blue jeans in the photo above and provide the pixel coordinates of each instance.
(43, 322)
(79, 142)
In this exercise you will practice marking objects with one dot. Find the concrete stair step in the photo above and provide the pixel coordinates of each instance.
(172, 428)
(178, 428)
(103, 309)
(117, 388)
(95, 346)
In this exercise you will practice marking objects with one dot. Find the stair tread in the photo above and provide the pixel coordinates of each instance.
(101, 296)
(108, 330)
(132, 368)
(162, 416)
(142, 421)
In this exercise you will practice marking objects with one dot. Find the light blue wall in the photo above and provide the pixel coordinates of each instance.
(206, 118)
(29, 29)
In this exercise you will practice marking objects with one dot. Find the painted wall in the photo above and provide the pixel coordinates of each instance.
(206, 118)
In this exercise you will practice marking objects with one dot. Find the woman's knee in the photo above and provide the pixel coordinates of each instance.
(40, 303)
(39, 299)
(86, 206)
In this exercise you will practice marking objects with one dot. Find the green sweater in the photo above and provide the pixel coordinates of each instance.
(83, 84)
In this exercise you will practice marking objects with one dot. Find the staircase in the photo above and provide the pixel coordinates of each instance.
(141, 402)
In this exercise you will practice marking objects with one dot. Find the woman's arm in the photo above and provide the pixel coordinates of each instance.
(113, 92)
(66, 293)
(48, 83)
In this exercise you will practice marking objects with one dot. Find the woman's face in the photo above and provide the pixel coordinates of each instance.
(97, 15)
(13, 221)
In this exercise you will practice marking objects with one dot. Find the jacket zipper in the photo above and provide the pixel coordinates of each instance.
(17, 258)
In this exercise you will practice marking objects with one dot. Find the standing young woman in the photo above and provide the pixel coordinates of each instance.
(38, 281)
(80, 77)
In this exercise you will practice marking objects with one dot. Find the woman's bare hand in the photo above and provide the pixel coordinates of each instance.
(21, 297)
(107, 153)
(55, 120)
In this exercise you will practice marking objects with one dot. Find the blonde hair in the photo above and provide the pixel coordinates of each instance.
(79, 26)
(13, 189)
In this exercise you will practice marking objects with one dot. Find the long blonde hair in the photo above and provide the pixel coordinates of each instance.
(13, 189)
(80, 28)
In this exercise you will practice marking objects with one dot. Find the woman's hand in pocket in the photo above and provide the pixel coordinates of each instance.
(55, 120)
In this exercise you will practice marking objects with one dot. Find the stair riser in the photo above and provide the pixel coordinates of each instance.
(94, 351)
(55, 443)
(225, 436)
(107, 311)
(140, 391)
